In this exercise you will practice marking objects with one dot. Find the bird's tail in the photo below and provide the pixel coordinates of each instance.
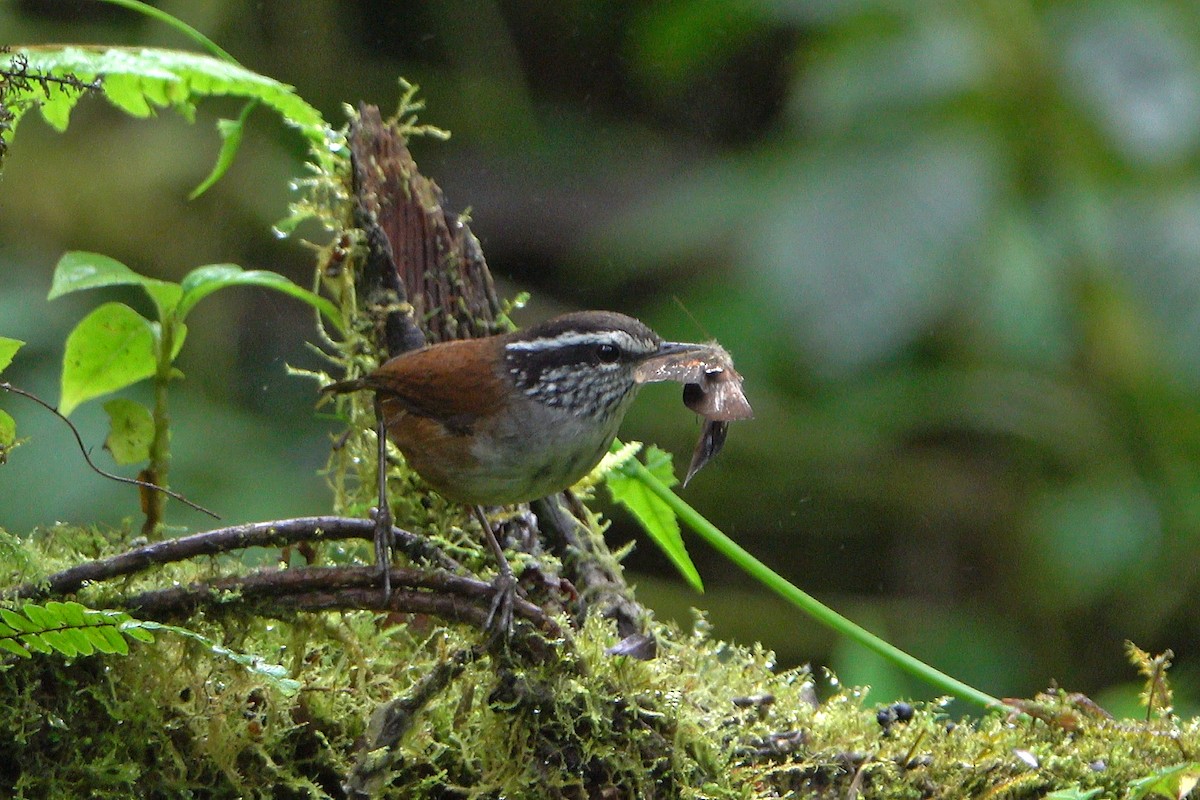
(344, 387)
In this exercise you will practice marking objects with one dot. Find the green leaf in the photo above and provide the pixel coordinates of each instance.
(68, 628)
(44, 618)
(81, 639)
(58, 640)
(1173, 782)
(177, 345)
(131, 430)
(231, 139)
(105, 616)
(655, 516)
(743, 560)
(203, 281)
(8, 435)
(78, 270)
(69, 613)
(134, 629)
(109, 349)
(8, 349)
(140, 79)
(16, 621)
(109, 640)
(8, 644)
(37, 644)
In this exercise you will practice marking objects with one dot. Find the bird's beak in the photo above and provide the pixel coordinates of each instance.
(677, 348)
(668, 361)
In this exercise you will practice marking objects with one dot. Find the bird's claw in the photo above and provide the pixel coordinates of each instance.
(499, 622)
(383, 549)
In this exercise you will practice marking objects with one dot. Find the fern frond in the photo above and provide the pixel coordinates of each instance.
(68, 628)
(274, 674)
(140, 79)
(75, 630)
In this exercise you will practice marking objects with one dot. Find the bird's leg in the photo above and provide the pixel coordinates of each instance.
(383, 512)
(500, 615)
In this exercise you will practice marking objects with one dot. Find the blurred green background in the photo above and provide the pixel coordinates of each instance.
(954, 248)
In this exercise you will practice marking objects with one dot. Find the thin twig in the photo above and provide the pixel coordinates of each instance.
(276, 533)
(8, 387)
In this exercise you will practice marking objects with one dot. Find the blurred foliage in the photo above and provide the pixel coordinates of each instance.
(954, 248)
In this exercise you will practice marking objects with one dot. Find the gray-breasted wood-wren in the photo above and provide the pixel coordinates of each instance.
(511, 418)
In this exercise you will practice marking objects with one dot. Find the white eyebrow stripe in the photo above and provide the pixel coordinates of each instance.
(569, 339)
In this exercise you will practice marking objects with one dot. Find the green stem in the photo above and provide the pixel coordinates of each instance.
(176, 23)
(802, 600)
(160, 446)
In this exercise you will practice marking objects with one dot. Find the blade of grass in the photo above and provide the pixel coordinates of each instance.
(802, 600)
(176, 23)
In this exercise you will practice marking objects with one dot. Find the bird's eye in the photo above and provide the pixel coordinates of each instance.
(608, 353)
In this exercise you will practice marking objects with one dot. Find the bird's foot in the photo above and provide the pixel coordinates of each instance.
(499, 622)
(383, 549)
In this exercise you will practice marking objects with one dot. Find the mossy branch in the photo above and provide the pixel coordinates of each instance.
(275, 533)
(277, 592)
(414, 591)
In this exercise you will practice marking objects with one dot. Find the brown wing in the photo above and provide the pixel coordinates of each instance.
(452, 383)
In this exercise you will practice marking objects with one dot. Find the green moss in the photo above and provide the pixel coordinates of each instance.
(705, 719)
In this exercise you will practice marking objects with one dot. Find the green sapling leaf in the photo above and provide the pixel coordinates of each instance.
(1175, 781)
(203, 281)
(78, 270)
(8, 428)
(8, 435)
(8, 349)
(111, 348)
(130, 430)
(127, 91)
